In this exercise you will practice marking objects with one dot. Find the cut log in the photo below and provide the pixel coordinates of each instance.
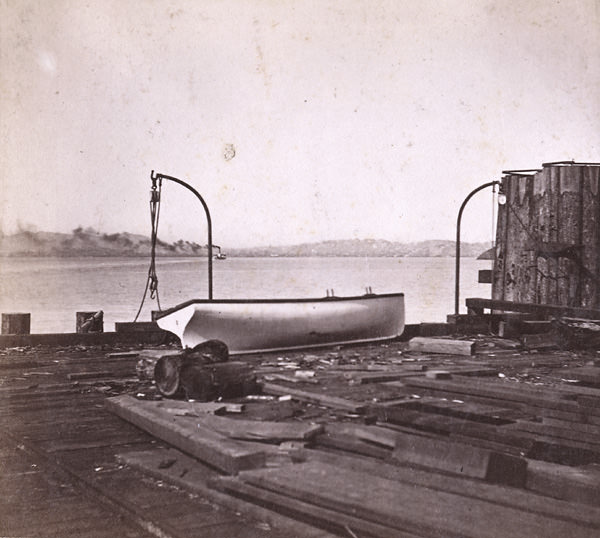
(167, 377)
(203, 374)
(441, 345)
(222, 380)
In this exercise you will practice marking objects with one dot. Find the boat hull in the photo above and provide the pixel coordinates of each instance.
(258, 325)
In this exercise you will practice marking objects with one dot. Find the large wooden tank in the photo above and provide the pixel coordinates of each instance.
(548, 236)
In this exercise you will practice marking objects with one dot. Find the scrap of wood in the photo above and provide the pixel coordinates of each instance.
(314, 397)
(213, 448)
(461, 459)
(254, 430)
(441, 345)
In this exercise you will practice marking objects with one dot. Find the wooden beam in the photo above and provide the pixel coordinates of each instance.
(539, 309)
(314, 397)
(441, 345)
(184, 433)
(398, 505)
(254, 430)
(461, 459)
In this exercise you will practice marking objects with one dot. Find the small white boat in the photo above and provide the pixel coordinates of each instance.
(258, 325)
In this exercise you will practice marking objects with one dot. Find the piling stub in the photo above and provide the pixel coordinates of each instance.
(16, 323)
(90, 322)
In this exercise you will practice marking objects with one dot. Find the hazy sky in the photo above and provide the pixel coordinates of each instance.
(366, 119)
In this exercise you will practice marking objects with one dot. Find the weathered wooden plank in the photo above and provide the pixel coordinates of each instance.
(306, 511)
(441, 345)
(314, 397)
(203, 443)
(253, 430)
(574, 427)
(574, 484)
(552, 431)
(544, 309)
(503, 392)
(378, 500)
(471, 411)
(194, 477)
(373, 434)
(461, 459)
(466, 487)
(351, 444)
(587, 374)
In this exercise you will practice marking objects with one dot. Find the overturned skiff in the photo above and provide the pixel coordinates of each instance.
(256, 325)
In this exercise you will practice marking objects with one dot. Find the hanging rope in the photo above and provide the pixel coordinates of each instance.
(494, 202)
(152, 280)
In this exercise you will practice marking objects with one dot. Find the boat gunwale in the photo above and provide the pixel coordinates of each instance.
(333, 298)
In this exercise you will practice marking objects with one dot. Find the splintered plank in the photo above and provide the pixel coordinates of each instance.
(314, 397)
(205, 444)
(400, 506)
(461, 459)
(254, 430)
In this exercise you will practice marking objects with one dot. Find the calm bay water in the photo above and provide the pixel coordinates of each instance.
(53, 289)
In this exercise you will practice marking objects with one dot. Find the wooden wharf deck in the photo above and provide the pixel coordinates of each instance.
(58, 468)
(530, 441)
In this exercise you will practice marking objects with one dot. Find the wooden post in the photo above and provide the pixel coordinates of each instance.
(548, 237)
(89, 322)
(16, 323)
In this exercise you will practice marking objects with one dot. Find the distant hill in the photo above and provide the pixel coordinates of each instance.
(367, 247)
(89, 242)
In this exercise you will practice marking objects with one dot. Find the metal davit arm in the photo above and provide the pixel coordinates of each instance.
(154, 177)
(457, 267)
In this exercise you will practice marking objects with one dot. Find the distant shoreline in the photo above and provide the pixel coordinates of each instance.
(90, 243)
